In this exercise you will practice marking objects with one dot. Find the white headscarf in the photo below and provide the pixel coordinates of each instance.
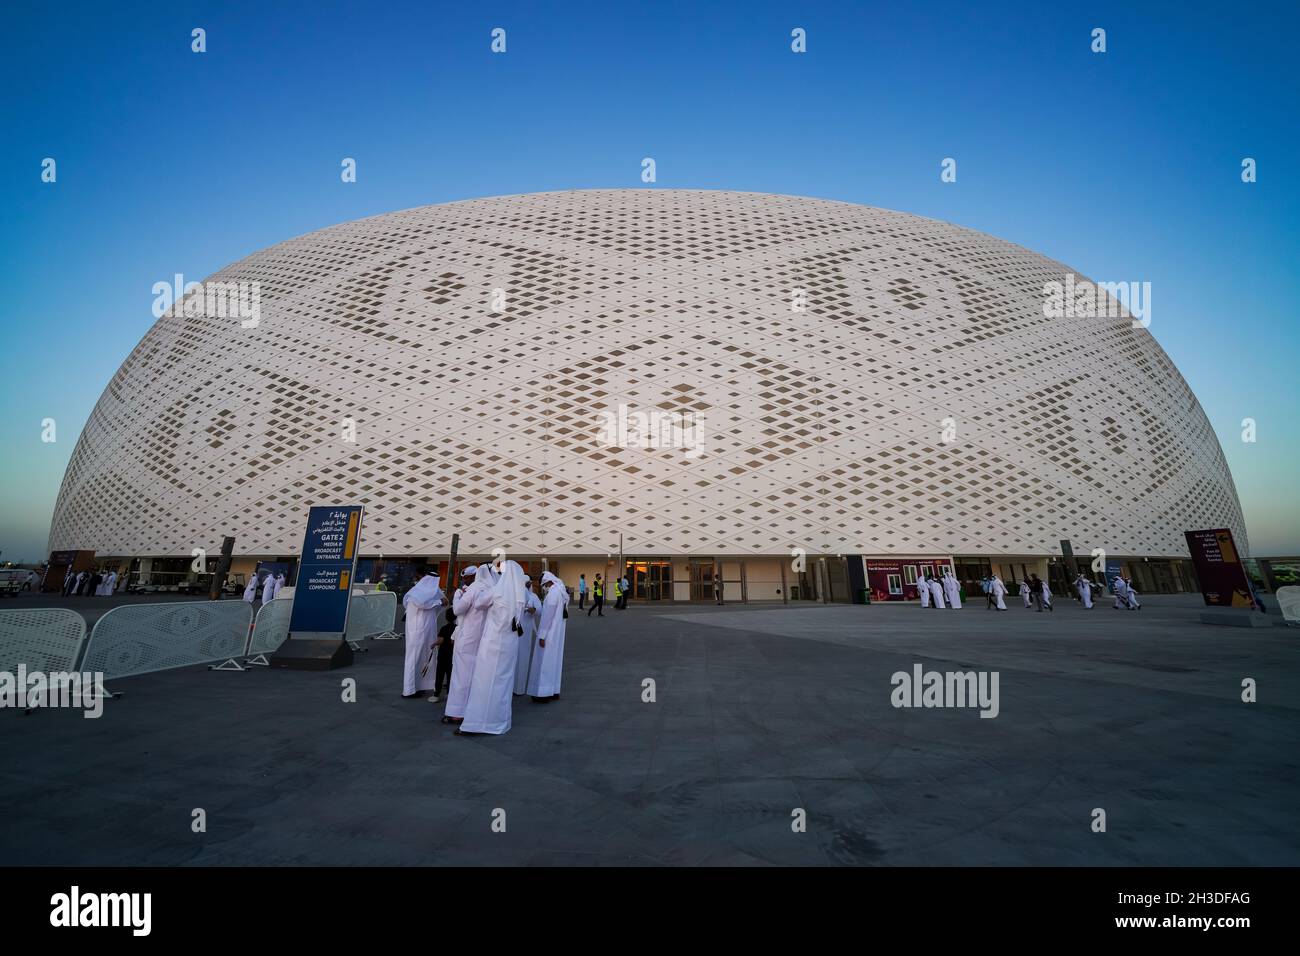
(424, 589)
(487, 573)
(508, 596)
(549, 578)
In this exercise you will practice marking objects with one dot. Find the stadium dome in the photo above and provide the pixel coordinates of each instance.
(857, 381)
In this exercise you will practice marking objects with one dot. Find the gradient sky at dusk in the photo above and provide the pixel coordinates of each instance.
(1125, 165)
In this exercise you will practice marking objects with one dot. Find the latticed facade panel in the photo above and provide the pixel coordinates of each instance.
(854, 380)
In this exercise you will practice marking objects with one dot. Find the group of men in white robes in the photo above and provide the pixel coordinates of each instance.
(939, 592)
(931, 591)
(507, 642)
(270, 585)
(93, 583)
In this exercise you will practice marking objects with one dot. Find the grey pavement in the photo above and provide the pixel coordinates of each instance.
(759, 711)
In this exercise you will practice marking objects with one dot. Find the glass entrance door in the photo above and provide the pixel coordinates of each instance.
(650, 580)
(702, 572)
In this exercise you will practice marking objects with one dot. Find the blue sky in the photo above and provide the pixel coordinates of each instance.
(1124, 165)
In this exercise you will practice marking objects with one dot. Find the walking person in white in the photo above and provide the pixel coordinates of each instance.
(951, 590)
(999, 592)
(268, 588)
(471, 604)
(422, 603)
(279, 583)
(1024, 593)
(1120, 590)
(548, 660)
(528, 642)
(250, 589)
(923, 589)
(1130, 592)
(488, 709)
(1085, 591)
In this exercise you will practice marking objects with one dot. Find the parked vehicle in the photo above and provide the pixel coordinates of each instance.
(15, 580)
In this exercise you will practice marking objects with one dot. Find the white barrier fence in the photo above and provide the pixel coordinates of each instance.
(1288, 602)
(271, 628)
(142, 638)
(371, 614)
(46, 639)
(368, 615)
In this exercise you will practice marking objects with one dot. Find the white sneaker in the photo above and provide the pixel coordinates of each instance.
(434, 699)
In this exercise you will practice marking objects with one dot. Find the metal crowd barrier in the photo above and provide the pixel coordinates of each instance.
(270, 629)
(371, 615)
(48, 639)
(143, 638)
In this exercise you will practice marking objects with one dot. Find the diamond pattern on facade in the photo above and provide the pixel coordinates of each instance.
(821, 429)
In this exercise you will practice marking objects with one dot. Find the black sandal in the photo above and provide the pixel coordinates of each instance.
(451, 720)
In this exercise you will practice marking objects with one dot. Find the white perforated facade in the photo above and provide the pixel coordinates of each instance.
(820, 429)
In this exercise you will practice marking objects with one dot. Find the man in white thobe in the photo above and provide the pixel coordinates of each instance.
(421, 603)
(1121, 593)
(492, 685)
(1131, 595)
(250, 590)
(999, 592)
(936, 593)
(1085, 591)
(1024, 593)
(923, 589)
(268, 588)
(279, 583)
(470, 603)
(548, 660)
(951, 591)
(528, 642)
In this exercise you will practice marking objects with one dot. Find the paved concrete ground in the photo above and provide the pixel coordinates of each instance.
(759, 711)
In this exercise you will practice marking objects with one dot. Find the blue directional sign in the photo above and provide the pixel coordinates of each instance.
(329, 563)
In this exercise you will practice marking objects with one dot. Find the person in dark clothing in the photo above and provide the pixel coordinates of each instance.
(1036, 592)
(446, 647)
(597, 597)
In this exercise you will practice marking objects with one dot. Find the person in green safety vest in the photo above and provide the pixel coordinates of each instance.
(597, 597)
